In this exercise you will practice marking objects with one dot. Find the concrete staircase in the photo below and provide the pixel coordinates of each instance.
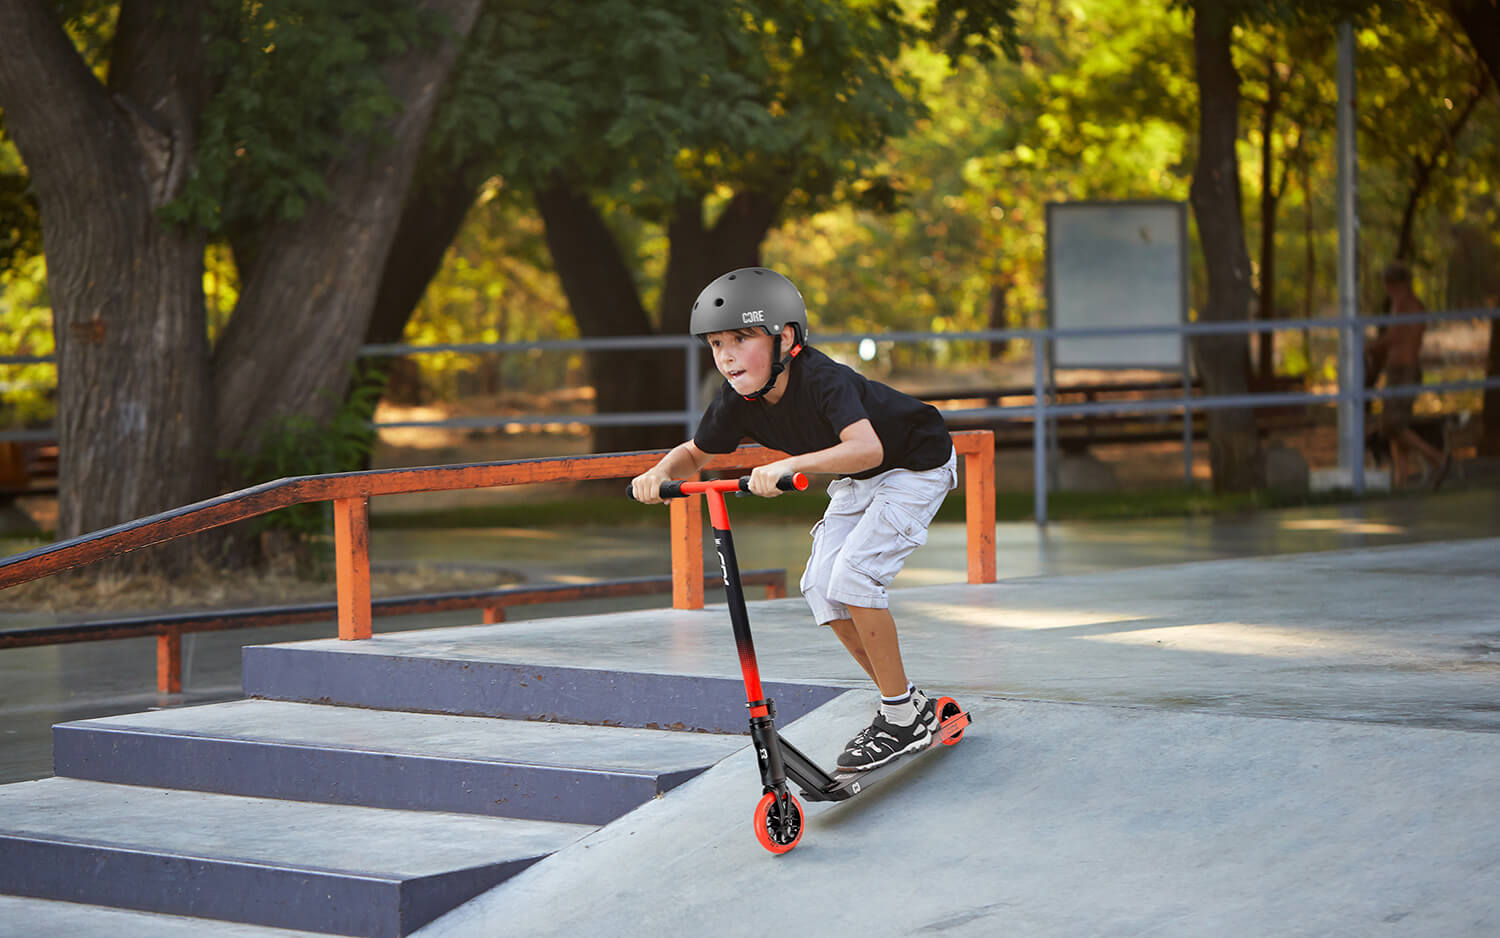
(358, 792)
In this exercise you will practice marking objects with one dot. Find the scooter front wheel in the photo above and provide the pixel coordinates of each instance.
(948, 708)
(778, 822)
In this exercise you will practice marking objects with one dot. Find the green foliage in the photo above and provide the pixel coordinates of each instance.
(681, 98)
(1094, 105)
(296, 445)
(27, 392)
(265, 144)
(496, 285)
(20, 221)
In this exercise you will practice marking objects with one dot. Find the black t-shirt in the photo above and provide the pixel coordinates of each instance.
(822, 398)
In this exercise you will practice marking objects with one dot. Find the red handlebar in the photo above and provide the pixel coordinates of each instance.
(792, 482)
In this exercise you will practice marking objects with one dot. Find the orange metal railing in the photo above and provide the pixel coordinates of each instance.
(351, 492)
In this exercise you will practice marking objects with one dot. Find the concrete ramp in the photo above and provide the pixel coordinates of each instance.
(1056, 819)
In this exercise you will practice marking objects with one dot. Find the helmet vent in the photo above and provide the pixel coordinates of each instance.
(719, 301)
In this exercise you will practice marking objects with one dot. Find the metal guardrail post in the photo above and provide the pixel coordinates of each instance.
(1351, 405)
(1187, 423)
(1039, 429)
(690, 391)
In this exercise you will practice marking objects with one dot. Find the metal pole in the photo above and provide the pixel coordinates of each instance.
(1039, 431)
(690, 389)
(1184, 349)
(1187, 426)
(1351, 334)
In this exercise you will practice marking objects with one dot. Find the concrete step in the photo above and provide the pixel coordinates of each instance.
(472, 670)
(286, 864)
(390, 759)
(21, 915)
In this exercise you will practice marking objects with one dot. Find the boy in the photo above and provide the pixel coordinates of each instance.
(893, 457)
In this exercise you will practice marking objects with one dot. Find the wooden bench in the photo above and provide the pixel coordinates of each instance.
(28, 467)
(1077, 432)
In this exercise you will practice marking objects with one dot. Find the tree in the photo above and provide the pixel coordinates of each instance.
(1094, 105)
(706, 121)
(1480, 20)
(204, 127)
(1222, 360)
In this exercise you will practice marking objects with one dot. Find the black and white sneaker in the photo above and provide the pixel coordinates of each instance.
(881, 742)
(926, 710)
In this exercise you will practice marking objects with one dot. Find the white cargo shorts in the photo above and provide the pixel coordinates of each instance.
(869, 529)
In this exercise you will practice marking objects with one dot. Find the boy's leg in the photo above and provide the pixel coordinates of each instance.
(849, 636)
(876, 631)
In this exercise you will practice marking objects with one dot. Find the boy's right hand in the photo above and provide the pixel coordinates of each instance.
(646, 487)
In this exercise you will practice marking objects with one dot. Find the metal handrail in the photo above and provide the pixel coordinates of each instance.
(1353, 395)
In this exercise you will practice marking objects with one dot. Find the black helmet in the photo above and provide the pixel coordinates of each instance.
(748, 298)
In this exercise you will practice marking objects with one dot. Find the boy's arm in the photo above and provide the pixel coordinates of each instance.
(858, 449)
(680, 462)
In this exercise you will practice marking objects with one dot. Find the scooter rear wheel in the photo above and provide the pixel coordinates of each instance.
(947, 708)
(778, 823)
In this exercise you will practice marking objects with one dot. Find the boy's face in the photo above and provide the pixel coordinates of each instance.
(743, 357)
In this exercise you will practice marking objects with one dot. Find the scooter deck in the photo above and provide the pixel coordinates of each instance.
(844, 785)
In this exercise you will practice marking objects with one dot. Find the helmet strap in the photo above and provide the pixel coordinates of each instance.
(778, 363)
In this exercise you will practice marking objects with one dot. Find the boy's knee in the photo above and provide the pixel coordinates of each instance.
(825, 611)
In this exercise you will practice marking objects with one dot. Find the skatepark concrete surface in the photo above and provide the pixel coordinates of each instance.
(1303, 744)
(1297, 745)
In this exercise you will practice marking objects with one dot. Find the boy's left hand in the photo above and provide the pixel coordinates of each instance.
(763, 479)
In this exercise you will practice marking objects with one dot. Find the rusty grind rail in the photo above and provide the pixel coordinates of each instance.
(351, 492)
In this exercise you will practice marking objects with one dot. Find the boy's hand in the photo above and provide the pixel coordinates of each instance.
(646, 487)
(763, 479)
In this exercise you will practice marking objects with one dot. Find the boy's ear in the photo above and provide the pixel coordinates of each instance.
(788, 335)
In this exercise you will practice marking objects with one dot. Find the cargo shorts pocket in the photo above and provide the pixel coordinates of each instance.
(809, 573)
(892, 534)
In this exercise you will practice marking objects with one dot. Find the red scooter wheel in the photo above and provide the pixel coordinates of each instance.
(778, 824)
(947, 708)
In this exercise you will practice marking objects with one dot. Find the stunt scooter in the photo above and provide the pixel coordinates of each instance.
(778, 816)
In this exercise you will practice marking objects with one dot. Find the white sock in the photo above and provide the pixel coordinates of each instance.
(918, 699)
(899, 710)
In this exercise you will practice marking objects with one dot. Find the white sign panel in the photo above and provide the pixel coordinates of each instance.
(1117, 264)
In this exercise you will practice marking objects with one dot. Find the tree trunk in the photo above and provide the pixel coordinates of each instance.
(1269, 198)
(1480, 20)
(430, 220)
(133, 389)
(1223, 361)
(1489, 444)
(1423, 165)
(604, 300)
(700, 253)
(310, 288)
